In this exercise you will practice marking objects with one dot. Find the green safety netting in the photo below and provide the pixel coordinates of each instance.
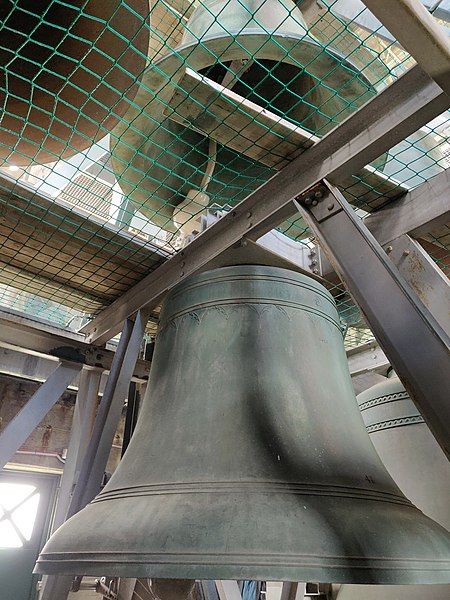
(123, 121)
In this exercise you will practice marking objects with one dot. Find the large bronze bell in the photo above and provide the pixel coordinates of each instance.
(68, 72)
(418, 466)
(250, 459)
(280, 66)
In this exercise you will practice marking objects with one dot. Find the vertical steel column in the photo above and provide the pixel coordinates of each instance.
(410, 335)
(29, 417)
(419, 33)
(108, 416)
(228, 590)
(131, 415)
(96, 456)
(293, 590)
(126, 588)
(83, 420)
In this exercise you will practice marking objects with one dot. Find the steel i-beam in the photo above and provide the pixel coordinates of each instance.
(419, 33)
(56, 587)
(83, 420)
(107, 420)
(410, 335)
(83, 417)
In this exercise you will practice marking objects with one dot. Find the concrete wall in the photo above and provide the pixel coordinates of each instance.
(52, 434)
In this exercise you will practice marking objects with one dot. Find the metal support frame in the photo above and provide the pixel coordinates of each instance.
(293, 590)
(109, 412)
(21, 333)
(29, 417)
(399, 110)
(415, 343)
(126, 588)
(228, 590)
(83, 421)
(131, 415)
(419, 33)
(351, 11)
(423, 209)
(56, 587)
(367, 358)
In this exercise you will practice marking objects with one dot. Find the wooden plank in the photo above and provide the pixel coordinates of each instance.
(226, 117)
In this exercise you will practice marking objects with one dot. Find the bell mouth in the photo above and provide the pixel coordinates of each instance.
(147, 129)
(183, 534)
(90, 77)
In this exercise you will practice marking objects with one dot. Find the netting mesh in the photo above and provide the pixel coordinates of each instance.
(122, 121)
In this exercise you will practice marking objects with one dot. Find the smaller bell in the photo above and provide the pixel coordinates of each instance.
(418, 466)
(407, 447)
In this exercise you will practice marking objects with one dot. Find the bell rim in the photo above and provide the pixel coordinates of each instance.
(295, 557)
(190, 568)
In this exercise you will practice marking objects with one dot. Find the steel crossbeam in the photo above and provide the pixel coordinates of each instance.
(399, 110)
(406, 327)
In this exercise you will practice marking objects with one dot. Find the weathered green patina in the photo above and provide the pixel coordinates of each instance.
(250, 459)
